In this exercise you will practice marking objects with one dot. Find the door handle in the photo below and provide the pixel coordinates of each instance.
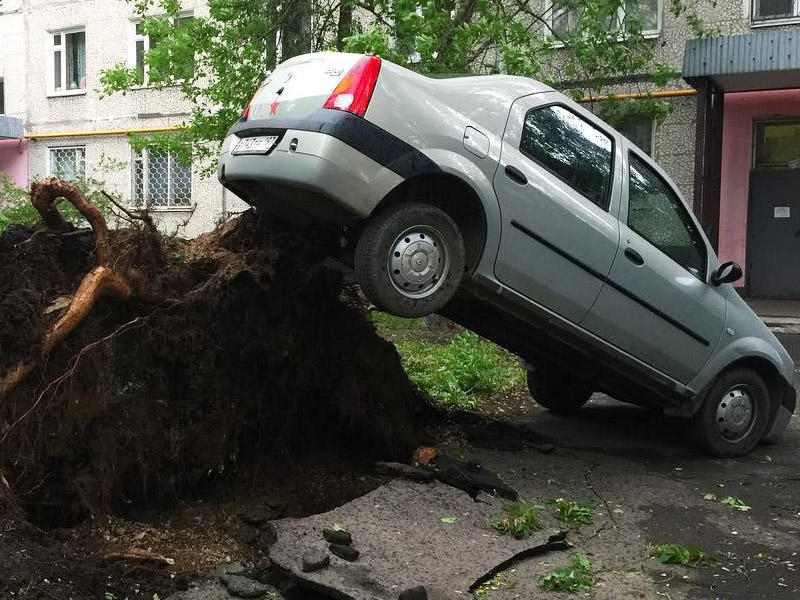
(515, 175)
(633, 256)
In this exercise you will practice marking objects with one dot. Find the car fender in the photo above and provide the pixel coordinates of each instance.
(745, 347)
(480, 180)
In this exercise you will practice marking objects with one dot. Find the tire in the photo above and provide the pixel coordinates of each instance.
(395, 237)
(723, 427)
(556, 390)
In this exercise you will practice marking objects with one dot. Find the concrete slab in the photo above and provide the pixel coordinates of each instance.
(403, 541)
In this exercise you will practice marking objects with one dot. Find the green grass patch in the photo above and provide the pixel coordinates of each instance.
(571, 579)
(458, 374)
(521, 520)
(572, 512)
(385, 322)
(679, 554)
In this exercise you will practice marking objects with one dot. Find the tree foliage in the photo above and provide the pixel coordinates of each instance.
(218, 59)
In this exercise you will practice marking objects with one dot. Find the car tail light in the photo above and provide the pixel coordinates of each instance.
(355, 89)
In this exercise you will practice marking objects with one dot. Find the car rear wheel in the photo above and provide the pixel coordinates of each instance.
(734, 416)
(410, 259)
(556, 390)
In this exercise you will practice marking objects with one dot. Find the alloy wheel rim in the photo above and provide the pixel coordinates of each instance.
(736, 413)
(418, 261)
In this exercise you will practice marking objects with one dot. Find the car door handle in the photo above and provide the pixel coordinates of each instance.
(633, 256)
(515, 175)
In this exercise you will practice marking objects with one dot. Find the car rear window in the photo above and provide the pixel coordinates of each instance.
(571, 148)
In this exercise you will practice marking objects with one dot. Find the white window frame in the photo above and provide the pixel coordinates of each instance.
(49, 158)
(50, 62)
(144, 156)
(648, 34)
(145, 39)
(756, 22)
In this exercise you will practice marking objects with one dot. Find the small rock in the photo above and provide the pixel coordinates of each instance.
(227, 569)
(314, 560)
(414, 593)
(244, 587)
(347, 553)
(337, 536)
(396, 469)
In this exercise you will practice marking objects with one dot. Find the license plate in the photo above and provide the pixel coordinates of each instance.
(260, 144)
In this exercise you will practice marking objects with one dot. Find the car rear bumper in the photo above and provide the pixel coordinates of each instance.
(331, 157)
(305, 169)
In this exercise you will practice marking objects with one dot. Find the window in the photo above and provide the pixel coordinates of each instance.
(766, 10)
(67, 62)
(571, 148)
(777, 145)
(67, 163)
(143, 43)
(160, 180)
(657, 214)
(644, 13)
(639, 130)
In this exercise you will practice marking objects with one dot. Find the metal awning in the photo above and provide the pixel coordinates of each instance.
(11, 128)
(764, 60)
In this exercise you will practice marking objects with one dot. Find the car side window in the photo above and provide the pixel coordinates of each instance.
(571, 148)
(657, 214)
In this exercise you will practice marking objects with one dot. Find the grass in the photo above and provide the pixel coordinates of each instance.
(521, 520)
(571, 579)
(572, 512)
(499, 581)
(679, 554)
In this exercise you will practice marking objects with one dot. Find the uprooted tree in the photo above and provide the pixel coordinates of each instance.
(136, 367)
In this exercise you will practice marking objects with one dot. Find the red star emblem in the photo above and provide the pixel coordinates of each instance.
(273, 107)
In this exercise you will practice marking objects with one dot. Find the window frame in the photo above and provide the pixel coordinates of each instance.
(145, 39)
(756, 22)
(760, 122)
(144, 156)
(607, 200)
(686, 212)
(648, 34)
(49, 159)
(50, 84)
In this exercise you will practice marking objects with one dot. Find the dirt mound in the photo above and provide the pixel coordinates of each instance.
(236, 348)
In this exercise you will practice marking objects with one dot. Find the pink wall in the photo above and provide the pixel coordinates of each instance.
(740, 110)
(14, 160)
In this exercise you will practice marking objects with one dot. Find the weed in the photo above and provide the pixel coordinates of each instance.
(499, 581)
(679, 554)
(386, 322)
(521, 520)
(572, 579)
(736, 503)
(459, 373)
(572, 512)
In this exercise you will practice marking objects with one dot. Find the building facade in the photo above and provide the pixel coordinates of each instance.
(731, 142)
(52, 55)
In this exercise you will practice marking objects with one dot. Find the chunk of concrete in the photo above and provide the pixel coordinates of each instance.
(403, 539)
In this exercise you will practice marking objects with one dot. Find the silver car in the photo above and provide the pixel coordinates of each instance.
(502, 204)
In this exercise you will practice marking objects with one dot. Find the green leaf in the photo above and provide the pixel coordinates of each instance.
(736, 503)
(449, 520)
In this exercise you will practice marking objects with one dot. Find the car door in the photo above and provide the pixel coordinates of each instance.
(556, 182)
(657, 304)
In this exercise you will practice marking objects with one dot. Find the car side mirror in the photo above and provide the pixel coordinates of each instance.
(728, 272)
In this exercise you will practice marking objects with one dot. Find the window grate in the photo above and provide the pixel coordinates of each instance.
(69, 163)
(160, 180)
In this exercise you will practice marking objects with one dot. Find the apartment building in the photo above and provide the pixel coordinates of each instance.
(731, 143)
(52, 53)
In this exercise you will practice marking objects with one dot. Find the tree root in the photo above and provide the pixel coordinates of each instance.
(102, 280)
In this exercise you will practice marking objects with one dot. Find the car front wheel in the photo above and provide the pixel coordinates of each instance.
(734, 415)
(409, 259)
(554, 389)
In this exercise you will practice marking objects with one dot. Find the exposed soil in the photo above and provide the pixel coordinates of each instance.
(243, 374)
